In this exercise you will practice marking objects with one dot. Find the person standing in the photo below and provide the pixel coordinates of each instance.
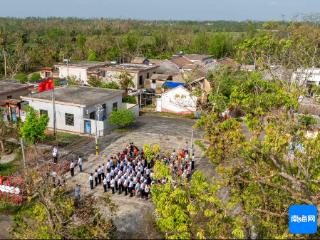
(103, 171)
(108, 179)
(131, 188)
(104, 184)
(55, 154)
(91, 181)
(96, 177)
(192, 162)
(112, 184)
(99, 174)
(146, 191)
(72, 168)
(120, 185)
(80, 162)
(125, 187)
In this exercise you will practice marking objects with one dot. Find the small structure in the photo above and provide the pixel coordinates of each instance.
(140, 60)
(138, 72)
(79, 110)
(177, 100)
(10, 89)
(46, 72)
(78, 70)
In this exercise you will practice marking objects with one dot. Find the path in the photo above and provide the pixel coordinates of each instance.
(134, 215)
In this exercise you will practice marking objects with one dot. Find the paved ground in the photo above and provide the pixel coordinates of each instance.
(134, 215)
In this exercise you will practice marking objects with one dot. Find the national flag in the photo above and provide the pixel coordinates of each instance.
(46, 85)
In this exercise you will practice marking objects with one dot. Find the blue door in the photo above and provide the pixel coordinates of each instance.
(87, 126)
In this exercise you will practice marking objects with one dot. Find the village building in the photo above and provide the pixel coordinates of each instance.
(78, 70)
(177, 100)
(307, 76)
(79, 110)
(10, 102)
(139, 73)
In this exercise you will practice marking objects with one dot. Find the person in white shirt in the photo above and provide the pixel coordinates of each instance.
(105, 184)
(99, 174)
(131, 188)
(192, 161)
(72, 168)
(96, 177)
(125, 187)
(91, 181)
(120, 185)
(112, 184)
(55, 154)
(80, 162)
(146, 191)
(108, 179)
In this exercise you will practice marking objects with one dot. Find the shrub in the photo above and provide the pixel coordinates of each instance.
(35, 77)
(129, 99)
(111, 85)
(307, 121)
(122, 118)
(22, 77)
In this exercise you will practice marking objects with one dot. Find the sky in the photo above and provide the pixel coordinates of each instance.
(161, 9)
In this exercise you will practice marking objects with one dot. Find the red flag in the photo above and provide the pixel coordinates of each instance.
(46, 85)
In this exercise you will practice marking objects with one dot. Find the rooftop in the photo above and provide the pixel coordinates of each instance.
(11, 86)
(83, 64)
(84, 96)
(130, 67)
(180, 61)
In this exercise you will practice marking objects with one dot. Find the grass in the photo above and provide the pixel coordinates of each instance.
(8, 208)
(61, 138)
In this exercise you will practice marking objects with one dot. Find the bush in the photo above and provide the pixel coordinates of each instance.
(22, 77)
(35, 77)
(129, 99)
(111, 85)
(122, 118)
(307, 121)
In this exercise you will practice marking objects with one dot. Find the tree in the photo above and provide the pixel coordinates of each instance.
(53, 213)
(22, 77)
(33, 129)
(7, 130)
(35, 77)
(122, 118)
(129, 99)
(111, 85)
(92, 56)
(95, 81)
(126, 81)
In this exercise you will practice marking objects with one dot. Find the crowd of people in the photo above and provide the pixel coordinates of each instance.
(127, 172)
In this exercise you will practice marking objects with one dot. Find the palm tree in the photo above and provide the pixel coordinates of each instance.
(126, 81)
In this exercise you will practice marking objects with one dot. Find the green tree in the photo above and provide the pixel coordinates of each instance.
(95, 81)
(33, 129)
(129, 99)
(22, 77)
(35, 77)
(126, 81)
(122, 118)
(92, 56)
(111, 85)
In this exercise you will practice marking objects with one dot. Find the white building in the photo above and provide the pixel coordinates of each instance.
(307, 76)
(177, 100)
(78, 70)
(76, 108)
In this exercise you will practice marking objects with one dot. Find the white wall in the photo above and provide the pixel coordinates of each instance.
(79, 74)
(302, 76)
(178, 100)
(61, 110)
(80, 114)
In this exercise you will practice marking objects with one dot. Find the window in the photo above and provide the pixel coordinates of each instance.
(153, 81)
(43, 112)
(9, 97)
(148, 75)
(69, 119)
(93, 115)
(140, 80)
(115, 106)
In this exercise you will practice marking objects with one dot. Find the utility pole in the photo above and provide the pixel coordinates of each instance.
(54, 112)
(191, 151)
(99, 108)
(23, 154)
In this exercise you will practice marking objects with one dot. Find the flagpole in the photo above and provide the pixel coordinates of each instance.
(54, 112)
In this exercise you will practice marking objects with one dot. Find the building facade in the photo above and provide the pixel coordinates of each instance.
(78, 109)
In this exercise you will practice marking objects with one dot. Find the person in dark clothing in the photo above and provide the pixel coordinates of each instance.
(96, 177)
